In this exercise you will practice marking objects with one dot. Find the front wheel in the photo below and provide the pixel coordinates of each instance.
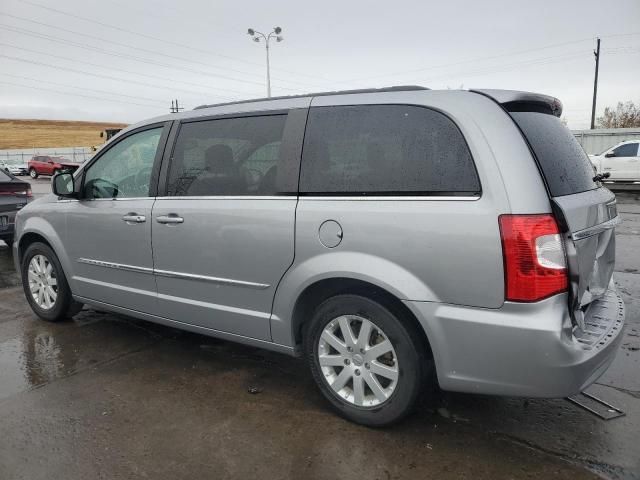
(45, 285)
(369, 364)
(32, 173)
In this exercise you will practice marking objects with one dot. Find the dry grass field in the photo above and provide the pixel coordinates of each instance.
(51, 133)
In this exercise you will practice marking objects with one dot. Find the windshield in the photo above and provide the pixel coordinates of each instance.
(564, 164)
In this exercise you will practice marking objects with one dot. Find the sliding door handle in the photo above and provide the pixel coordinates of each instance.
(171, 219)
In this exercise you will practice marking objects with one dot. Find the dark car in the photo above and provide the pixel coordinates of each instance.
(14, 194)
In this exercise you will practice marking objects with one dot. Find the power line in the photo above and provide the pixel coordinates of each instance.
(99, 50)
(68, 69)
(78, 94)
(154, 52)
(491, 57)
(40, 80)
(129, 72)
(509, 66)
(142, 35)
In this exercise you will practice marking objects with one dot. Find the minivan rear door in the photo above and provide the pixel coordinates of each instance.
(587, 209)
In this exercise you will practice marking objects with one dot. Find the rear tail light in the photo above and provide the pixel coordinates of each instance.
(29, 192)
(535, 265)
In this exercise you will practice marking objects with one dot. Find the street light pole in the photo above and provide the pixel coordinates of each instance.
(257, 36)
(596, 53)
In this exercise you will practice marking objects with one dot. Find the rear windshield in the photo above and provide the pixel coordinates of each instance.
(564, 164)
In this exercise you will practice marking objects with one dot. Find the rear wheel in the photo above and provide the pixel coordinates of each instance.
(45, 285)
(368, 363)
(32, 173)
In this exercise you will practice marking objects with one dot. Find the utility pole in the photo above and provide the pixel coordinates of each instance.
(275, 33)
(175, 107)
(596, 52)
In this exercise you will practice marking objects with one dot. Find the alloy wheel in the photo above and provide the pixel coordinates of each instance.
(358, 361)
(43, 284)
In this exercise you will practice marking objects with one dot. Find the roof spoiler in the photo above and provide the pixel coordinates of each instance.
(516, 101)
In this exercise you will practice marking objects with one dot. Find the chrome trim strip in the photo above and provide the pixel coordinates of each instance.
(117, 266)
(205, 278)
(171, 274)
(596, 229)
(231, 197)
(378, 198)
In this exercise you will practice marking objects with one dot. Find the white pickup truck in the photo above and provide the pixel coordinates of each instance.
(622, 161)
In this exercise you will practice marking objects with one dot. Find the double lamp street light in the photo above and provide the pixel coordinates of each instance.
(257, 37)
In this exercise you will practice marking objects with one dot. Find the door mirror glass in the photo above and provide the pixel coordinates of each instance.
(62, 185)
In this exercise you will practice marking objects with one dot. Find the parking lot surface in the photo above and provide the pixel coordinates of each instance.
(106, 396)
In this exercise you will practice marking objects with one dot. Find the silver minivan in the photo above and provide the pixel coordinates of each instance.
(397, 238)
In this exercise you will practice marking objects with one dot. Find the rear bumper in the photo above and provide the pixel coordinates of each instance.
(522, 349)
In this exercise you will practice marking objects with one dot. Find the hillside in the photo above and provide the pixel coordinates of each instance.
(51, 133)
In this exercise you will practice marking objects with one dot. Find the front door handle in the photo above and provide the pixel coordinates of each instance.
(134, 218)
(170, 219)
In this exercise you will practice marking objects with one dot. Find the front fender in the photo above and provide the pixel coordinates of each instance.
(353, 265)
(41, 226)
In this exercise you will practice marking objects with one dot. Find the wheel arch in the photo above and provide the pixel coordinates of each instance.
(319, 291)
(36, 229)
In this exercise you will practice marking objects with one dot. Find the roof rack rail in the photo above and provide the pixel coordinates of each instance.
(399, 88)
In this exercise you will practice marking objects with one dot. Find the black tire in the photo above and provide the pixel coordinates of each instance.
(32, 173)
(414, 362)
(64, 306)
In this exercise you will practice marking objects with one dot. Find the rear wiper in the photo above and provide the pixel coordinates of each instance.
(601, 176)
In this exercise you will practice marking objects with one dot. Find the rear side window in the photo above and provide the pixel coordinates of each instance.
(385, 150)
(564, 164)
(232, 156)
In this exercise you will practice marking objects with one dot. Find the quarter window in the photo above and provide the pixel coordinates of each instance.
(124, 171)
(626, 150)
(385, 149)
(231, 156)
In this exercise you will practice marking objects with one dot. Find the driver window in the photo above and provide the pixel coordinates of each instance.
(626, 150)
(124, 171)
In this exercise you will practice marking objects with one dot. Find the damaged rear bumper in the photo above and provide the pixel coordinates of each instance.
(522, 349)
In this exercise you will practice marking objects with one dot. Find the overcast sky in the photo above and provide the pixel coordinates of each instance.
(124, 60)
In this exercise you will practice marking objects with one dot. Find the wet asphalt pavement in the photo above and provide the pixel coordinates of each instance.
(106, 396)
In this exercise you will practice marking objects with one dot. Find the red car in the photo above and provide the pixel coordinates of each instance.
(46, 165)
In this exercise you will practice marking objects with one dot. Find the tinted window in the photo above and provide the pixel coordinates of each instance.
(385, 149)
(124, 171)
(564, 164)
(232, 156)
(626, 150)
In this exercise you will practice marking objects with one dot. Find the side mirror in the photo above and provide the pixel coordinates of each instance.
(609, 154)
(62, 185)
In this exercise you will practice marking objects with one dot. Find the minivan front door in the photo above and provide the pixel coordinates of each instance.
(109, 228)
(223, 236)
